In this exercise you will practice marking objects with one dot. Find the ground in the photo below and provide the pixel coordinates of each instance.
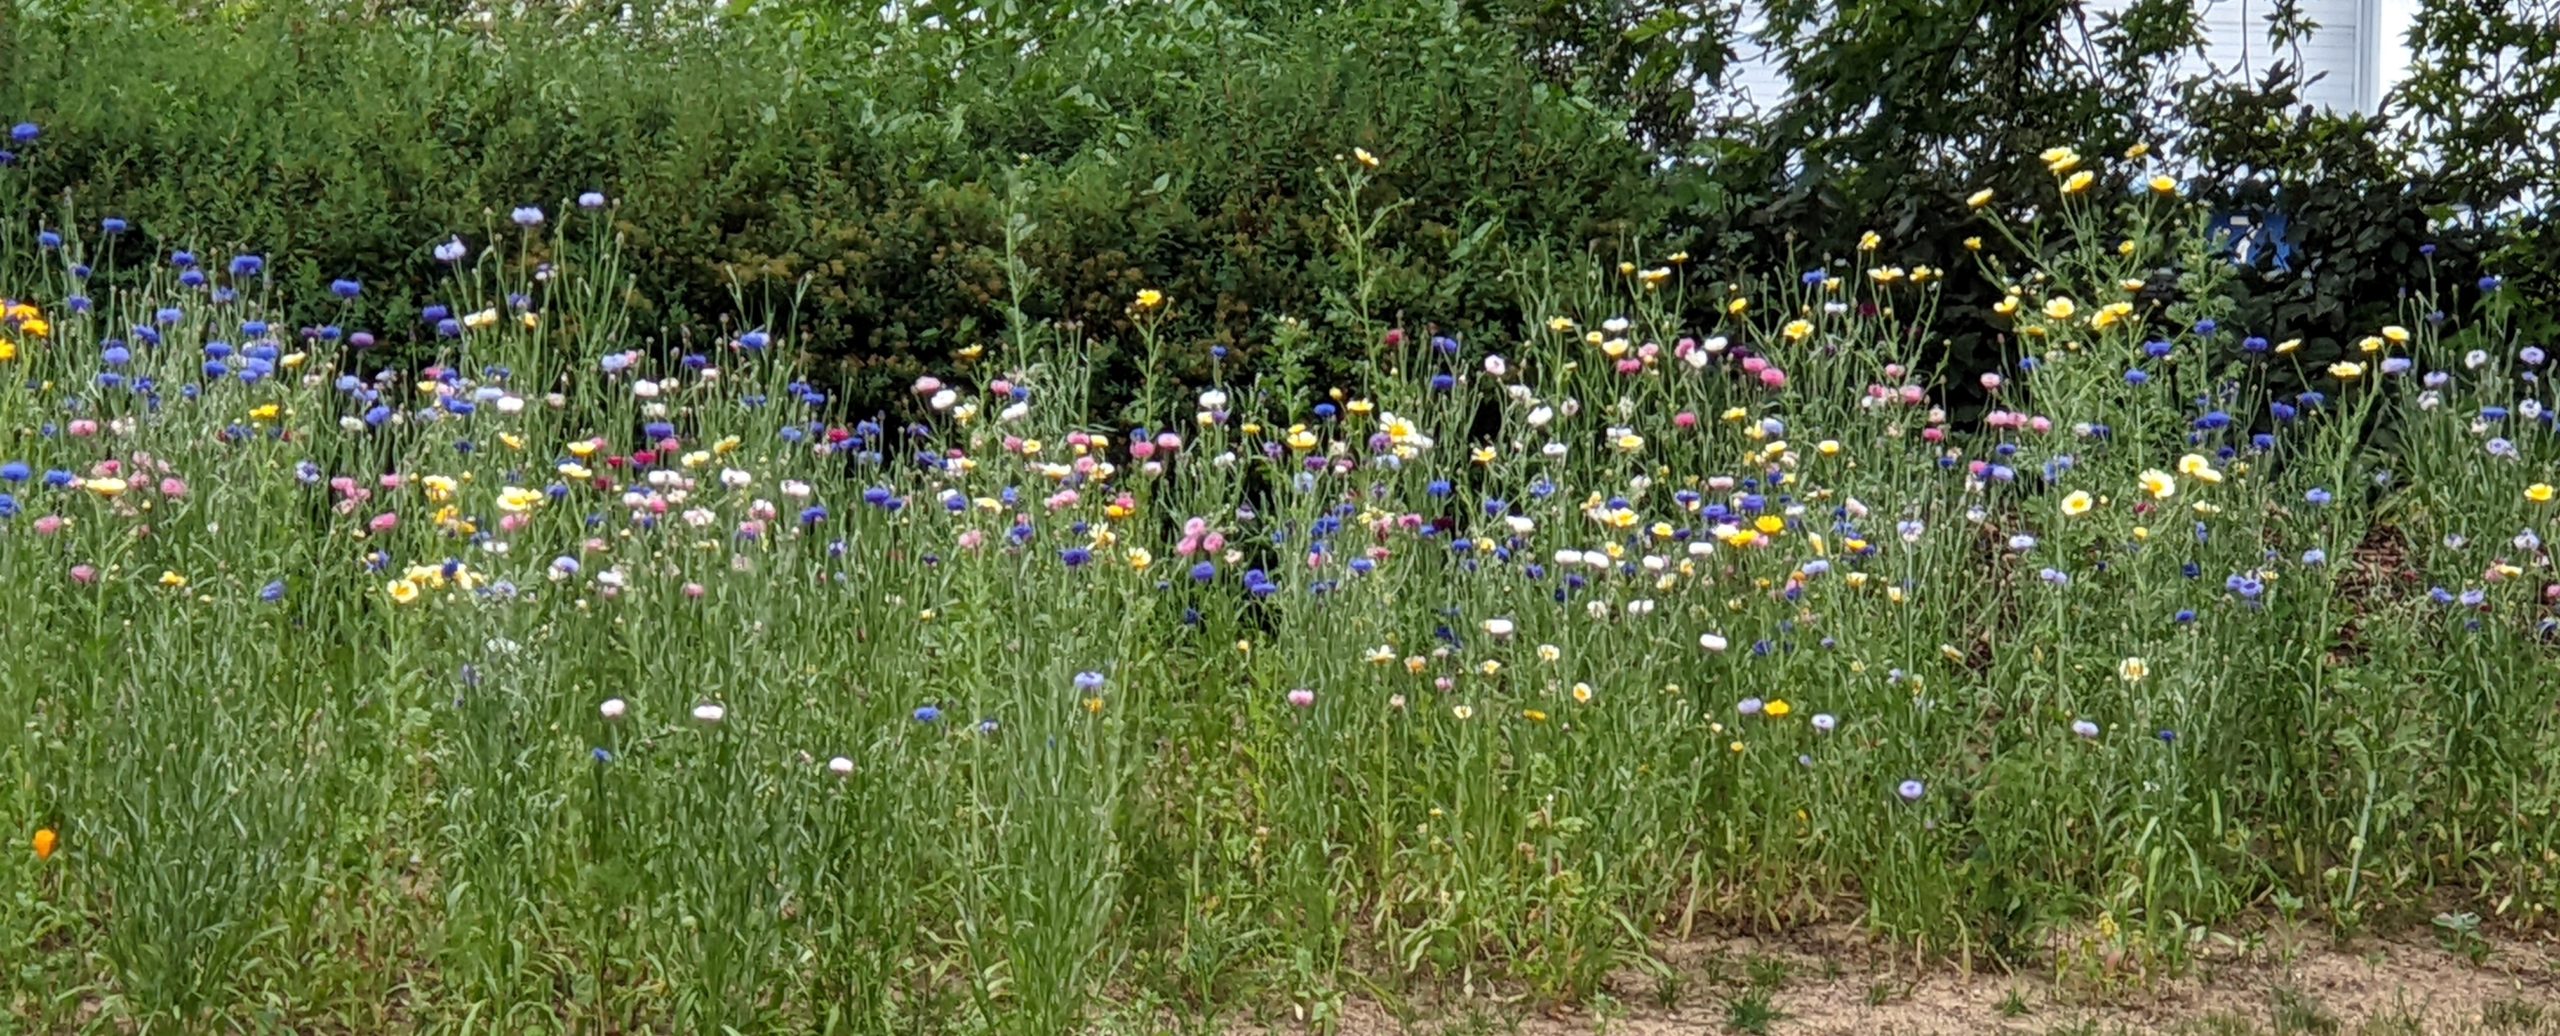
(1833, 984)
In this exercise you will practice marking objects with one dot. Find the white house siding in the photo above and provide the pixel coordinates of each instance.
(2353, 45)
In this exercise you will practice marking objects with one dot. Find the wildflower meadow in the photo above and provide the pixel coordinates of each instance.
(507, 667)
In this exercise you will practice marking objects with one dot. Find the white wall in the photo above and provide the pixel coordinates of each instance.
(2358, 43)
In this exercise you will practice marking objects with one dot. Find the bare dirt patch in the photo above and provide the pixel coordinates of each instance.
(1834, 983)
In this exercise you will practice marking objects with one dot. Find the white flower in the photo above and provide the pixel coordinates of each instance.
(1013, 413)
(1496, 366)
(645, 389)
(1520, 523)
(511, 404)
(840, 766)
(710, 714)
(1614, 325)
(1824, 722)
(1213, 400)
(1640, 606)
(1539, 417)
(942, 400)
(613, 708)
(1499, 627)
(1713, 642)
(736, 479)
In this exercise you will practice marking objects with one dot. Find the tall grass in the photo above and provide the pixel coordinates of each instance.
(577, 682)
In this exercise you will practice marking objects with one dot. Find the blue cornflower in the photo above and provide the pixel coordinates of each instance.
(928, 714)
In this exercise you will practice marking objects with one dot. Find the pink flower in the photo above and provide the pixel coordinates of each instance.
(928, 385)
(693, 590)
(342, 485)
(1302, 698)
(390, 481)
(48, 525)
(1142, 450)
(1168, 442)
(1684, 419)
(1630, 366)
(512, 522)
(384, 522)
(84, 574)
(1444, 683)
(972, 539)
(1000, 387)
(1754, 364)
(170, 487)
(1395, 337)
(1913, 395)
(1933, 433)
(83, 428)
(109, 468)
(1990, 382)
(2041, 425)
(1774, 378)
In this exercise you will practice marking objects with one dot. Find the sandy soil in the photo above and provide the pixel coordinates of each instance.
(1833, 983)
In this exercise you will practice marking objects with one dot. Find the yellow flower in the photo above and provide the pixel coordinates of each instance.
(1869, 241)
(2345, 371)
(2137, 151)
(1362, 155)
(172, 580)
(2079, 182)
(2163, 185)
(35, 327)
(8, 350)
(1973, 244)
(2132, 670)
(1777, 709)
(2288, 345)
(518, 499)
(1301, 440)
(2369, 344)
(1798, 330)
(1978, 199)
(1559, 325)
(2397, 334)
(1463, 711)
(1736, 306)
(2159, 484)
(1533, 715)
(2539, 492)
(1093, 705)
(2195, 466)
(106, 486)
(2060, 307)
(2007, 307)
(1582, 692)
(2078, 503)
(45, 840)
(1149, 299)
(1770, 524)
(2060, 159)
